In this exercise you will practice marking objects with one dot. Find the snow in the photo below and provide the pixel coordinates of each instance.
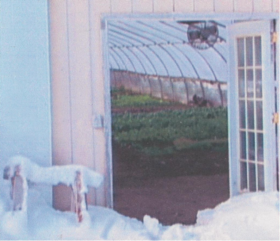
(55, 174)
(251, 216)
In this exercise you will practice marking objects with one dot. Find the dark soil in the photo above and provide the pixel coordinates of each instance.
(170, 188)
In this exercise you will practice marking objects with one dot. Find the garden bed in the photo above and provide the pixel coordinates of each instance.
(161, 149)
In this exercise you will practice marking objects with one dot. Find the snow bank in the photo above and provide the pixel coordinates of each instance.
(253, 216)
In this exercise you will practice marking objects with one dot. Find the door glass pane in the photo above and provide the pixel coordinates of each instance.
(242, 114)
(240, 51)
(259, 115)
(260, 147)
(251, 142)
(252, 177)
(243, 145)
(258, 73)
(243, 175)
(250, 106)
(258, 52)
(261, 177)
(249, 51)
(241, 81)
(250, 83)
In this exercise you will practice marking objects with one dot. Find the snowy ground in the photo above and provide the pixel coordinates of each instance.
(247, 217)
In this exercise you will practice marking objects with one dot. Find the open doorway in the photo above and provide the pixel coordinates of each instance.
(169, 118)
(151, 179)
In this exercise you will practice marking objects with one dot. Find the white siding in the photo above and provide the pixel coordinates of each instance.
(183, 6)
(204, 6)
(262, 5)
(142, 6)
(80, 85)
(100, 6)
(97, 80)
(223, 5)
(60, 71)
(78, 106)
(243, 6)
(61, 111)
(168, 6)
(163, 6)
(121, 6)
(275, 5)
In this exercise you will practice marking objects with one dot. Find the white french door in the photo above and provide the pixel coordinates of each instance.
(251, 107)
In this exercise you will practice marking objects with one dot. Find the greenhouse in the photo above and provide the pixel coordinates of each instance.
(186, 92)
(170, 53)
(180, 61)
(167, 56)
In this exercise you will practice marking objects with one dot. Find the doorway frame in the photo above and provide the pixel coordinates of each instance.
(105, 18)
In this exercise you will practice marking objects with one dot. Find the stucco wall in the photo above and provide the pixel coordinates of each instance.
(78, 77)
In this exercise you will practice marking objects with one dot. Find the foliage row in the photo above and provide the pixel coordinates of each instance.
(122, 98)
(169, 130)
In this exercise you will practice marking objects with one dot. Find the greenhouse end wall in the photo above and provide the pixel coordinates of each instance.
(79, 73)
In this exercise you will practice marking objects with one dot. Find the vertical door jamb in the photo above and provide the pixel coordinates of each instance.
(268, 101)
(107, 118)
(277, 45)
(233, 140)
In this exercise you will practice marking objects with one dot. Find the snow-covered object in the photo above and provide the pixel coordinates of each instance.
(18, 187)
(55, 174)
(252, 216)
(78, 198)
(19, 190)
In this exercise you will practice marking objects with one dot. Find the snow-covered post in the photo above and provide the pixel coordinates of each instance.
(78, 199)
(19, 187)
(20, 169)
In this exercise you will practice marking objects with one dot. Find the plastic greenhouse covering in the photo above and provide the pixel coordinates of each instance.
(162, 48)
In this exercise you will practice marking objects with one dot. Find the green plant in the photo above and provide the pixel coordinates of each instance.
(137, 101)
(166, 132)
